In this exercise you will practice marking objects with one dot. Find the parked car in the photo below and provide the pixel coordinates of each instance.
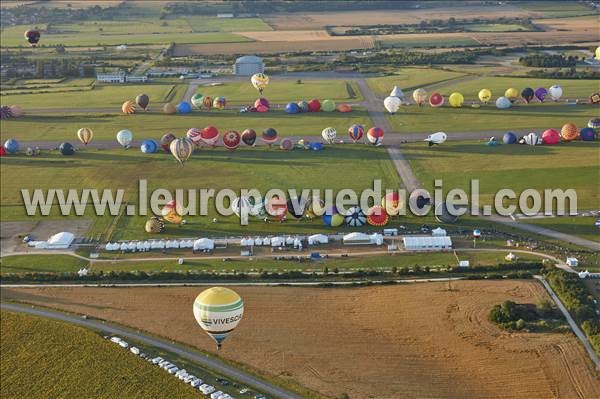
(216, 395)
(134, 350)
(124, 344)
(172, 370)
(196, 382)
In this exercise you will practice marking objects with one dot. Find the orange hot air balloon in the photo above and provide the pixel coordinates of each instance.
(569, 132)
(377, 216)
(344, 108)
(128, 107)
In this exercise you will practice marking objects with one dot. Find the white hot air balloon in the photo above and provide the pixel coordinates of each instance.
(391, 104)
(555, 92)
(436, 138)
(124, 137)
(397, 92)
(329, 134)
(242, 208)
(533, 139)
(218, 311)
(503, 103)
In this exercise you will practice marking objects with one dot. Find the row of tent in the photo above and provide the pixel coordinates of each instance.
(142, 246)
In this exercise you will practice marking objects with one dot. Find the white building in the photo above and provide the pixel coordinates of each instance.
(357, 238)
(573, 262)
(62, 240)
(118, 77)
(427, 243)
(136, 79)
(317, 239)
(203, 244)
(248, 65)
(438, 232)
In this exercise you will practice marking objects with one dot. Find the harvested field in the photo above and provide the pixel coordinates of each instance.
(418, 340)
(267, 47)
(313, 21)
(290, 36)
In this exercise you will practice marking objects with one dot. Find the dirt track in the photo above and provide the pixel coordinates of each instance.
(387, 342)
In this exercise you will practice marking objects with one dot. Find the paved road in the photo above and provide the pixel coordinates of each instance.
(202, 360)
(578, 333)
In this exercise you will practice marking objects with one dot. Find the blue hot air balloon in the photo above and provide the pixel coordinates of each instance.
(184, 107)
(292, 108)
(509, 138)
(149, 146)
(11, 146)
(316, 146)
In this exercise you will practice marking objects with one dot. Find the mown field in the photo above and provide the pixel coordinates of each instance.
(410, 78)
(41, 358)
(348, 166)
(582, 226)
(284, 91)
(154, 124)
(517, 167)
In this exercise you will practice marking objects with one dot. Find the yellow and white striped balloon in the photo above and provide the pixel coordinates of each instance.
(218, 311)
(85, 135)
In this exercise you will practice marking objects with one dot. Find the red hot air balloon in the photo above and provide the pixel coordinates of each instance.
(314, 105)
(375, 135)
(32, 36)
(210, 135)
(269, 135)
(436, 100)
(231, 140)
(356, 132)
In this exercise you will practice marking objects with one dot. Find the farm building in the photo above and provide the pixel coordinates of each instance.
(248, 65)
(427, 243)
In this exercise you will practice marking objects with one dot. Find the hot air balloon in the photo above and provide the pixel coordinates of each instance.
(218, 311)
(296, 207)
(344, 108)
(169, 109)
(11, 146)
(32, 36)
(397, 92)
(436, 100)
(329, 134)
(276, 208)
(154, 225)
(443, 214)
(128, 107)
(456, 100)
(420, 95)
(569, 132)
(259, 81)
(512, 94)
(540, 93)
(356, 132)
(509, 138)
(328, 106)
(594, 99)
(184, 107)
(194, 135)
(16, 111)
(355, 217)
(166, 140)
(594, 123)
(124, 137)
(314, 207)
(375, 135)
(555, 92)
(241, 206)
(269, 135)
(436, 139)
(420, 199)
(219, 103)
(231, 140)
(314, 105)
(332, 218)
(286, 144)
(316, 146)
(149, 146)
(550, 137)
(172, 211)
(66, 149)
(249, 137)
(527, 94)
(85, 135)
(292, 108)
(485, 95)
(2, 151)
(392, 203)
(391, 104)
(598, 53)
(142, 101)
(181, 149)
(262, 102)
(376, 216)
(503, 103)
(5, 112)
(210, 135)
(196, 100)
(207, 102)
(532, 139)
(262, 109)
(303, 105)
(587, 134)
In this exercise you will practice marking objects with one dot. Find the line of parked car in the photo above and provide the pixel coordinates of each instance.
(182, 374)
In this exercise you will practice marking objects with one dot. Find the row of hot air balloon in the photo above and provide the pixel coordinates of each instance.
(568, 132)
(316, 105)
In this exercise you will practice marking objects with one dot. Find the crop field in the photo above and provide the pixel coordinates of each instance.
(102, 95)
(518, 167)
(357, 349)
(411, 40)
(259, 168)
(284, 91)
(410, 78)
(76, 363)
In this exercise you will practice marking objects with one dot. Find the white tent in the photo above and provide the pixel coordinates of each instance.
(318, 239)
(245, 242)
(362, 238)
(426, 243)
(289, 240)
(438, 232)
(258, 241)
(277, 242)
(62, 240)
(266, 241)
(203, 244)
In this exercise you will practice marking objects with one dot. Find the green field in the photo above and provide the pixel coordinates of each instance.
(495, 28)
(100, 96)
(577, 225)
(410, 78)
(517, 167)
(76, 363)
(284, 91)
(348, 166)
(535, 117)
(408, 42)
(41, 263)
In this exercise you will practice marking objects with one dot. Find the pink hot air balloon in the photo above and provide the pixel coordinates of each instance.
(551, 137)
(195, 135)
(261, 101)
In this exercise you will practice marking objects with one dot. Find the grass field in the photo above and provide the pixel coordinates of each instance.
(284, 91)
(534, 117)
(495, 28)
(577, 225)
(258, 168)
(76, 363)
(40, 263)
(101, 96)
(406, 41)
(410, 78)
(510, 166)
(153, 124)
